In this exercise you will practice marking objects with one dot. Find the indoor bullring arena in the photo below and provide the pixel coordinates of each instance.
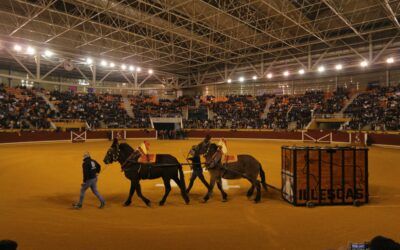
(200, 124)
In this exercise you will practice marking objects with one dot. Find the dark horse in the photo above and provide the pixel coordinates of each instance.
(166, 167)
(246, 167)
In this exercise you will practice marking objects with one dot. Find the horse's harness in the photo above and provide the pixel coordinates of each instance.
(213, 159)
(224, 166)
(129, 160)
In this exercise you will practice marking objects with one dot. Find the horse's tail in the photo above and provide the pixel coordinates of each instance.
(262, 175)
(181, 176)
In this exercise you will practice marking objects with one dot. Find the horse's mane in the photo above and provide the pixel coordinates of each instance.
(125, 147)
(214, 145)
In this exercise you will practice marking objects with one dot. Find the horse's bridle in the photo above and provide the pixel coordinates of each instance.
(115, 157)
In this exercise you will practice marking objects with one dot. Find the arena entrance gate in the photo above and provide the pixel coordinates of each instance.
(166, 124)
(316, 136)
(78, 136)
(320, 136)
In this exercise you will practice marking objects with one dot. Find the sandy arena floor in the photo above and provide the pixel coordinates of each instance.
(39, 182)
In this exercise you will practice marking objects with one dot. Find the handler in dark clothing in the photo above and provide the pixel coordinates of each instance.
(91, 168)
(196, 168)
(203, 146)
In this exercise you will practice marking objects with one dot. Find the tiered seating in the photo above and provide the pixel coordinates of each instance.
(94, 109)
(20, 108)
(334, 102)
(246, 111)
(144, 107)
(377, 109)
(277, 115)
(238, 111)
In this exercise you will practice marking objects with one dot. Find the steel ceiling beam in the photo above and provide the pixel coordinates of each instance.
(391, 15)
(33, 17)
(332, 7)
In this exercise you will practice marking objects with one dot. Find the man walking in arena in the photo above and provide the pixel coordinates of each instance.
(196, 168)
(91, 169)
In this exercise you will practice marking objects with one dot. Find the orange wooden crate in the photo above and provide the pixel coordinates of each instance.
(325, 175)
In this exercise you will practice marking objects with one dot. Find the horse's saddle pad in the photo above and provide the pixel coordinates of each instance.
(149, 158)
(229, 158)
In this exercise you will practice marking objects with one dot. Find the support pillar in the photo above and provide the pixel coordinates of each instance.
(336, 82)
(94, 75)
(37, 59)
(388, 77)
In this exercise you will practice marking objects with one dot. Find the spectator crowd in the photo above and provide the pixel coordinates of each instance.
(375, 109)
(20, 108)
(97, 110)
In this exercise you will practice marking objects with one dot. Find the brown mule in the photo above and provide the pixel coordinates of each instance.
(246, 167)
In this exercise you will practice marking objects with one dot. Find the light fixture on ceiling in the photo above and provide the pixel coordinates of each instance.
(364, 63)
(48, 53)
(30, 50)
(17, 47)
(390, 60)
(89, 60)
(339, 67)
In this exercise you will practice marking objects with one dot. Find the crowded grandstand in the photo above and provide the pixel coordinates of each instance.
(376, 109)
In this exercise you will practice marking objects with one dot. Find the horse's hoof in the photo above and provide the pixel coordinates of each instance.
(148, 204)
(257, 201)
(161, 203)
(127, 203)
(205, 199)
(187, 201)
(224, 200)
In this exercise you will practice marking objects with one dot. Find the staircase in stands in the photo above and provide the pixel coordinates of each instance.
(352, 98)
(128, 107)
(51, 105)
(42, 95)
(270, 101)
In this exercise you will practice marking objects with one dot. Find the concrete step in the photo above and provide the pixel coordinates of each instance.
(128, 107)
(51, 105)
(352, 98)
(42, 95)
(270, 101)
